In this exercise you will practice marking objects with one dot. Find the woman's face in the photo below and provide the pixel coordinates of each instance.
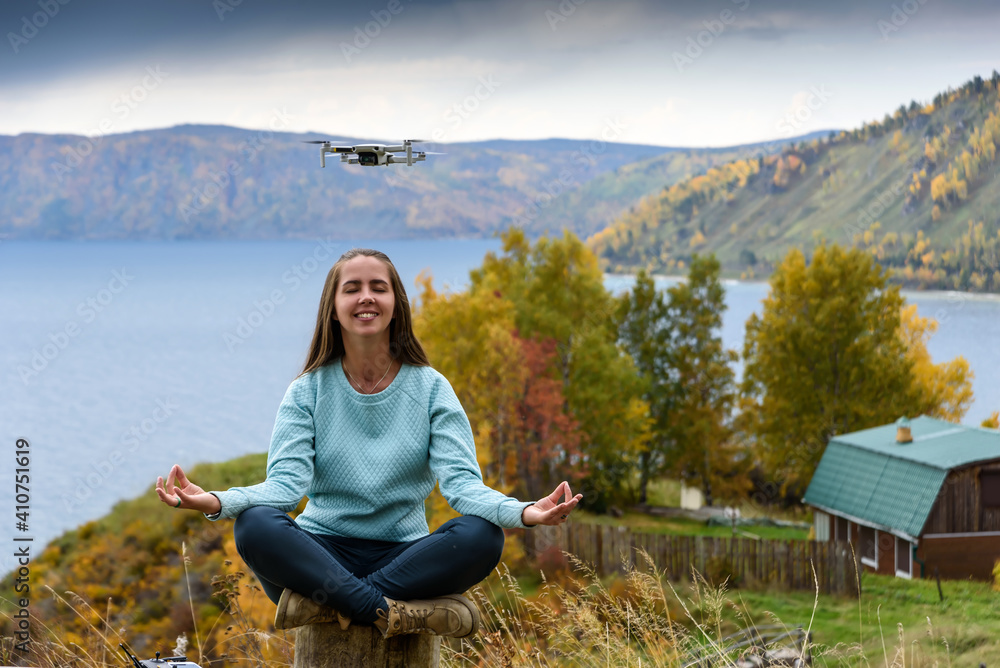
(364, 302)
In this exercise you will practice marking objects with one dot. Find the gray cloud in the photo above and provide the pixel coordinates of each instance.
(560, 61)
(84, 36)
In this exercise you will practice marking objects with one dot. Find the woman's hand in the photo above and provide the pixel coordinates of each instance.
(179, 489)
(548, 510)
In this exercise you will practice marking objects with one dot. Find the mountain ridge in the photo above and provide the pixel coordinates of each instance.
(196, 181)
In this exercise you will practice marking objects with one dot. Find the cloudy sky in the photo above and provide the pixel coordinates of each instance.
(705, 73)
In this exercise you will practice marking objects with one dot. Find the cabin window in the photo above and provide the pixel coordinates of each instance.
(867, 547)
(904, 558)
(989, 487)
(842, 528)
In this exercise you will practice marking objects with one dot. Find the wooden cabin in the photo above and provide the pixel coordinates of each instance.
(913, 497)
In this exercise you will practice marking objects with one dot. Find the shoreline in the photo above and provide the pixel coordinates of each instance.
(726, 281)
(957, 295)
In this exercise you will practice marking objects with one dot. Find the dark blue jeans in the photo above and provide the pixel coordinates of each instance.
(352, 575)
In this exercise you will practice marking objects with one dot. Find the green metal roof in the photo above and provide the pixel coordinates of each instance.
(867, 476)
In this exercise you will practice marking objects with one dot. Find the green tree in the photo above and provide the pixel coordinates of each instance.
(688, 381)
(643, 332)
(558, 293)
(699, 424)
(823, 358)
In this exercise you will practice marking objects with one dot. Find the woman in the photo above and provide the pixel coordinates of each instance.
(365, 432)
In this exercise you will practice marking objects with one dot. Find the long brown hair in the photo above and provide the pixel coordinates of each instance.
(328, 341)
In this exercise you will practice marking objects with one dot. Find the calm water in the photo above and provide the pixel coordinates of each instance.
(119, 359)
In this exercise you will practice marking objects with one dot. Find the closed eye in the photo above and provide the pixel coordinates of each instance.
(376, 285)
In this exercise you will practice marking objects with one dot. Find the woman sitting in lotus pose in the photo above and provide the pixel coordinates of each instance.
(365, 432)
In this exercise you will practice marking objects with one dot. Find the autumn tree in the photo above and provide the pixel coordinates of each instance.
(470, 340)
(824, 357)
(557, 291)
(511, 390)
(704, 451)
(643, 332)
(673, 338)
(941, 390)
(546, 438)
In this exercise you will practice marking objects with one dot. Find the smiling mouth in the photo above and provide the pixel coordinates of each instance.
(367, 315)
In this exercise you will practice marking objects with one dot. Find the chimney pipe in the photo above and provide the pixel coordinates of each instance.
(903, 434)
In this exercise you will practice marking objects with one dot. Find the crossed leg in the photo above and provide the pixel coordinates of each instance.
(352, 575)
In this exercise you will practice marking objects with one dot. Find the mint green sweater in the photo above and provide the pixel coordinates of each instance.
(367, 462)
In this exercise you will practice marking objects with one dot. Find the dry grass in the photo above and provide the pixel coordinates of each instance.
(640, 620)
(573, 619)
(100, 646)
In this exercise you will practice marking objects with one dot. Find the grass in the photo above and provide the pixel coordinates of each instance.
(963, 630)
(664, 492)
(641, 619)
(681, 525)
(100, 646)
(587, 621)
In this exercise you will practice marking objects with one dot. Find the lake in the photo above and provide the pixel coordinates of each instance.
(118, 359)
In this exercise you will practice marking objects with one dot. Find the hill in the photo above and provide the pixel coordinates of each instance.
(218, 182)
(918, 189)
(596, 203)
(133, 561)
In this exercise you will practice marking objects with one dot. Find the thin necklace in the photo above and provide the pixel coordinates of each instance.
(362, 387)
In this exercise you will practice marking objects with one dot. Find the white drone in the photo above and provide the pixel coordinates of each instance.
(373, 155)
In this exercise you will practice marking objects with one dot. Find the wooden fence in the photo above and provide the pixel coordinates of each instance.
(745, 561)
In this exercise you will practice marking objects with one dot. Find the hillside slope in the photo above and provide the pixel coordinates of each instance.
(217, 182)
(595, 204)
(918, 189)
(132, 561)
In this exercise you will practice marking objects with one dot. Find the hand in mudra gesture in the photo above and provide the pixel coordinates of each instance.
(179, 492)
(548, 510)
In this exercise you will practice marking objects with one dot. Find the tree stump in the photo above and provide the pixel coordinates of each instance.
(327, 646)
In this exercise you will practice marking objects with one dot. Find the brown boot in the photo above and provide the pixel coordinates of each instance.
(454, 616)
(297, 610)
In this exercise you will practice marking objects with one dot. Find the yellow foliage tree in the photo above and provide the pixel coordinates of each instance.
(836, 349)
(941, 390)
(470, 339)
(939, 189)
(930, 152)
(557, 291)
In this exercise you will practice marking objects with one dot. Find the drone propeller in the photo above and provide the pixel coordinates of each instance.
(327, 142)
